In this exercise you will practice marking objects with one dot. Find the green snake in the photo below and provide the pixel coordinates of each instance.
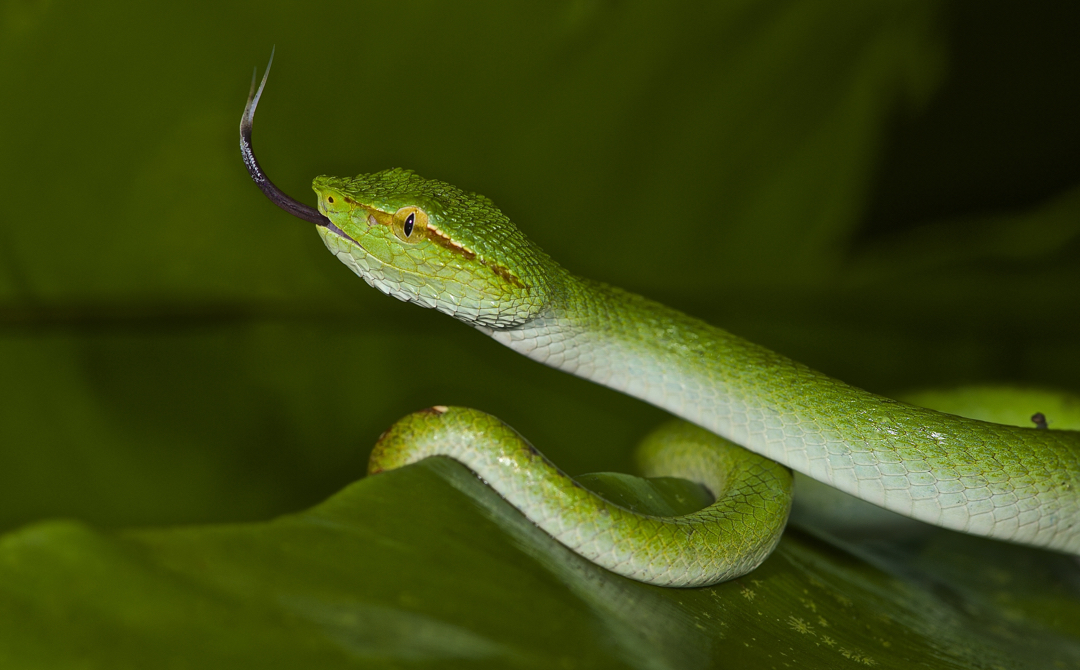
(430, 243)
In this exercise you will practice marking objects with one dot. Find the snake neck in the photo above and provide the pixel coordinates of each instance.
(644, 349)
(958, 473)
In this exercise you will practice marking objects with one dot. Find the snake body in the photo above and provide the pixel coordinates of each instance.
(722, 541)
(430, 243)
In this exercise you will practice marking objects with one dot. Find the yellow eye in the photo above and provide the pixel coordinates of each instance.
(410, 224)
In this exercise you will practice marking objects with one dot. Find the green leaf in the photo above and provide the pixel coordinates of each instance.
(659, 496)
(428, 567)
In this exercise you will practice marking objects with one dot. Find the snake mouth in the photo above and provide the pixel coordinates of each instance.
(329, 225)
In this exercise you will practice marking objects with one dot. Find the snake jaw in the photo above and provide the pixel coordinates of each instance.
(329, 225)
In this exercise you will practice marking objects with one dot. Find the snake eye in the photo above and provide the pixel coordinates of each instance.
(410, 224)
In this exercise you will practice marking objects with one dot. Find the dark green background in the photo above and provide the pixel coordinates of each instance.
(887, 191)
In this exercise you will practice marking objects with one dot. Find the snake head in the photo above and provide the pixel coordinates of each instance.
(421, 240)
(430, 243)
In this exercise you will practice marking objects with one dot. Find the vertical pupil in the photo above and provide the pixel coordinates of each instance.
(409, 224)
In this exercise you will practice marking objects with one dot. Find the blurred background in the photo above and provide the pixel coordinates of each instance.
(887, 191)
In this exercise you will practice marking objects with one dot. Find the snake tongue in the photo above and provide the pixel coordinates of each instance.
(269, 189)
